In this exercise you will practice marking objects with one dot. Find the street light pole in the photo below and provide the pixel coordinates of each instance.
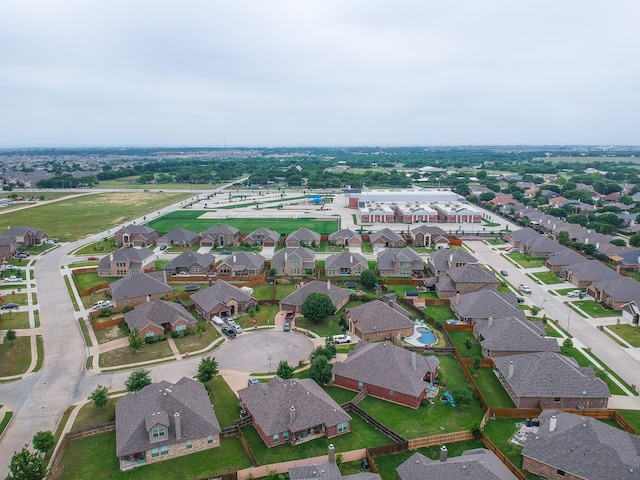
(569, 320)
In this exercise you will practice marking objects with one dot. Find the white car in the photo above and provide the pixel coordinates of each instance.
(342, 339)
(237, 328)
(13, 278)
(525, 289)
(102, 304)
(217, 320)
(574, 293)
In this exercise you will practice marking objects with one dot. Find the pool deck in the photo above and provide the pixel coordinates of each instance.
(414, 339)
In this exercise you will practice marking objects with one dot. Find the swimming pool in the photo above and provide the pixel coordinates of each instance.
(427, 337)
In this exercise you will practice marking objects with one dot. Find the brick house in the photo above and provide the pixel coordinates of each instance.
(386, 238)
(586, 272)
(241, 264)
(136, 236)
(136, 289)
(345, 263)
(387, 372)
(262, 237)
(560, 259)
(159, 318)
(191, 263)
(293, 411)
(404, 262)
(222, 299)
(376, 320)
(339, 296)
(441, 261)
(126, 261)
(164, 421)
(303, 237)
(345, 238)
(465, 279)
(178, 237)
(512, 336)
(294, 261)
(615, 292)
(26, 236)
(220, 236)
(426, 236)
(482, 304)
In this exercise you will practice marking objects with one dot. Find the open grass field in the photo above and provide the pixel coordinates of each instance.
(190, 220)
(629, 333)
(559, 159)
(595, 309)
(94, 457)
(76, 218)
(15, 356)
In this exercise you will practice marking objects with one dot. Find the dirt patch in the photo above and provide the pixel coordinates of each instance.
(124, 198)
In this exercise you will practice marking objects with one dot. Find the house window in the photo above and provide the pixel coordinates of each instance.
(556, 399)
(158, 432)
(155, 452)
(343, 427)
(196, 269)
(285, 436)
(276, 438)
(189, 444)
(209, 438)
(560, 473)
(391, 392)
(164, 451)
(150, 334)
(180, 328)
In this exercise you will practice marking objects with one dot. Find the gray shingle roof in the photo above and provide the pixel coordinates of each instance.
(189, 258)
(377, 316)
(515, 335)
(178, 235)
(220, 292)
(428, 230)
(139, 285)
(135, 413)
(590, 271)
(138, 229)
(525, 235)
(261, 234)
(478, 464)
(548, 374)
(300, 253)
(252, 261)
(387, 366)
(131, 255)
(220, 229)
(326, 471)
(387, 234)
(448, 258)
(485, 304)
(563, 257)
(345, 260)
(620, 289)
(389, 256)
(304, 235)
(270, 405)
(472, 274)
(544, 244)
(585, 447)
(344, 233)
(157, 313)
(337, 294)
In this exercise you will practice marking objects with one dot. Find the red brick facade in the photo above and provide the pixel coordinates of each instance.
(378, 392)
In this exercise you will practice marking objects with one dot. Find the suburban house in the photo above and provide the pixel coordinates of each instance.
(220, 236)
(562, 258)
(262, 237)
(240, 264)
(477, 464)
(512, 336)
(542, 247)
(568, 446)
(615, 292)
(294, 261)
(386, 238)
(523, 237)
(163, 421)
(327, 471)
(465, 279)
(303, 237)
(25, 236)
(126, 261)
(387, 372)
(136, 236)
(222, 299)
(293, 411)
(345, 263)
(8, 247)
(153, 319)
(345, 238)
(404, 262)
(190, 263)
(136, 289)
(550, 380)
(630, 260)
(339, 296)
(377, 320)
(631, 313)
(482, 304)
(426, 236)
(442, 260)
(178, 237)
(586, 272)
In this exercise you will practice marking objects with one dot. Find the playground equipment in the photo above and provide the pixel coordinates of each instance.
(448, 398)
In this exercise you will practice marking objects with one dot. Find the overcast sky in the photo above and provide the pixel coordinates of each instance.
(344, 72)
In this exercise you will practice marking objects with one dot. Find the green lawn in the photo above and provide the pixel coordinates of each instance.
(633, 417)
(439, 313)
(266, 292)
(261, 318)
(340, 395)
(14, 320)
(88, 280)
(225, 402)
(429, 419)
(583, 361)
(197, 341)
(400, 290)
(15, 359)
(499, 432)
(126, 356)
(630, 333)
(361, 435)
(90, 416)
(329, 326)
(134, 184)
(527, 261)
(190, 220)
(548, 278)
(101, 247)
(550, 331)
(491, 388)
(77, 217)
(94, 457)
(458, 338)
(595, 309)
(5, 421)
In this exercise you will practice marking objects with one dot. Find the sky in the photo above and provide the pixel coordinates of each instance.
(104, 73)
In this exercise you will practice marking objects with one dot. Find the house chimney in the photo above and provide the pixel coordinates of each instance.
(292, 414)
(457, 298)
(510, 373)
(285, 255)
(328, 284)
(451, 258)
(332, 453)
(111, 257)
(490, 321)
(413, 360)
(597, 246)
(148, 298)
(618, 268)
(176, 419)
(234, 259)
(350, 258)
(443, 453)
(586, 240)
(552, 423)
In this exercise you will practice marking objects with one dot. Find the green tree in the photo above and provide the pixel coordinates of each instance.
(11, 336)
(368, 279)
(43, 441)
(27, 465)
(328, 351)
(207, 369)
(320, 370)
(462, 395)
(467, 344)
(634, 240)
(99, 396)
(317, 307)
(135, 342)
(138, 380)
(285, 371)
(568, 343)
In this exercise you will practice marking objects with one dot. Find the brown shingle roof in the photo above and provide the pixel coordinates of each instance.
(377, 316)
(337, 294)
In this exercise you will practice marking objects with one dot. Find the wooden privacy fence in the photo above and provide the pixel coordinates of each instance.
(484, 362)
(390, 449)
(106, 324)
(459, 327)
(416, 443)
(503, 458)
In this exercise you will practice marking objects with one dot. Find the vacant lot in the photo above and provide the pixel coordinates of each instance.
(76, 218)
(189, 219)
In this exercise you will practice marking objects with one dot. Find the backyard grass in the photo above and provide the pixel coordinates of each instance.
(328, 326)
(76, 218)
(595, 309)
(340, 395)
(14, 320)
(526, 261)
(429, 419)
(548, 278)
(15, 359)
(225, 402)
(90, 416)
(278, 291)
(630, 333)
(500, 432)
(94, 457)
(458, 337)
(491, 388)
(263, 317)
(87, 280)
(400, 290)
(126, 356)
(633, 417)
(190, 220)
(361, 435)
(197, 341)
(439, 313)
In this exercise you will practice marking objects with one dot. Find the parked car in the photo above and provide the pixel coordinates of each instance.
(9, 306)
(342, 338)
(525, 289)
(92, 258)
(225, 252)
(102, 304)
(229, 332)
(574, 294)
(504, 273)
(230, 321)
(217, 320)
(237, 328)
(163, 248)
(22, 255)
(287, 326)
(253, 381)
(13, 278)
(290, 314)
